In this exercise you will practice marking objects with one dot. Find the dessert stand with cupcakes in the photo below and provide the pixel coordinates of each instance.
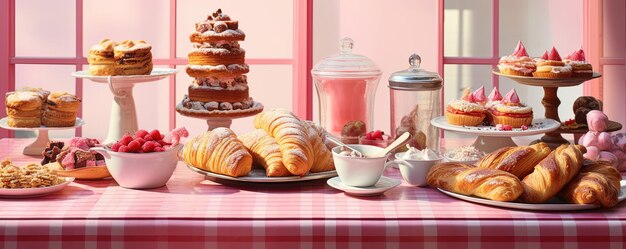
(219, 92)
(558, 74)
(122, 66)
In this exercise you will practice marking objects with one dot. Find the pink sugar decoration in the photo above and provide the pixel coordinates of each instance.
(511, 97)
(554, 55)
(545, 55)
(479, 94)
(495, 95)
(520, 50)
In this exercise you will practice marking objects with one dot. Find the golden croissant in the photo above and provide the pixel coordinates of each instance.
(597, 183)
(323, 158)
(292, 137)
(519, 161)
(265, 152)
(218, 151)
(469, 180)
(552, 173)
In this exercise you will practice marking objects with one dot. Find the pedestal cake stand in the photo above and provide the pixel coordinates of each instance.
(490, 139)
(123, 118)
(215, 119)
(551, 100)
(42, 140)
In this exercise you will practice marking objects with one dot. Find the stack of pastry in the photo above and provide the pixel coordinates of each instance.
(24, 109)
(217, 64)
(532, 174)
(130, 57)
(32, 107)
(61, 110)
(282, 144)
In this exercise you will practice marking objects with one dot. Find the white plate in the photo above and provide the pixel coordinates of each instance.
(156, 74)
(258, 175)
(539, 126)
(553, 205)
(34, 192)
(384, 184)
(3, 124)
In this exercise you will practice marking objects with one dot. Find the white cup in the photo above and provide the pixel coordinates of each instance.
(359, 172)
(413, 172)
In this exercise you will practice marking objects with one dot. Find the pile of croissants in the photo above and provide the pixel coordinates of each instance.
(532, 174)
(282, 144)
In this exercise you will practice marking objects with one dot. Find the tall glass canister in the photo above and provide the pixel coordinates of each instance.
(346, 85)
(415, 100)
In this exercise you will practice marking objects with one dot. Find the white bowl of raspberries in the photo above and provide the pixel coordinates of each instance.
(145, 159)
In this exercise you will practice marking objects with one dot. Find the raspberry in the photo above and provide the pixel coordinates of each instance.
(148, 137)
(524, 127)
(163, 143)
(148, 146)
(141, 133)
(134, 146)
(507, 128)
(156, 135)
(377, 135)
(159, 149)
(126, 139)
(140, 140)
(123, 148)
(115, 147)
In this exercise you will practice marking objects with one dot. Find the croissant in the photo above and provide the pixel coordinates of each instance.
(597, 183)
(482, 182)
(323, 134)
(519, 161)
(323, 158)
(552, 173)
(218, 151)
(265, 152)
(292, 137)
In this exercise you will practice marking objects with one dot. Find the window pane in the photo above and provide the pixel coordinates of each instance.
(540, 28)
(467, 28)
(151, 103)
(614, 35)
(40, 32)
(269, 84)
(268, 27)
(50, 77)
(127, 20)
(614, 89)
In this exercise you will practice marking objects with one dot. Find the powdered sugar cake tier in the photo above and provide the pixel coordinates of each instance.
(258, 175)
(548, 82)
(539, 126)
(205, 114)
(156, 74)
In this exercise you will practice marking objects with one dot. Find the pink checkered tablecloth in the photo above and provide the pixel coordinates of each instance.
(192, 212)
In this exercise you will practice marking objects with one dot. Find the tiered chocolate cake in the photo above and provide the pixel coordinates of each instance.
(217, 64)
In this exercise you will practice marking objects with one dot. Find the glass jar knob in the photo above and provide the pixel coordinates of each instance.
(346, 45)
(415, 61)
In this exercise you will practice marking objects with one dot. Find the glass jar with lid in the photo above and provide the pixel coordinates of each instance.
(346, 86)
(415, 99)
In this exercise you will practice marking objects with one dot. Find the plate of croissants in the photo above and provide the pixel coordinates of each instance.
(533, 178)
(282, 148)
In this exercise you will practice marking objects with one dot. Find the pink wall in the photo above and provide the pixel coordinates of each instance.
(614, 46)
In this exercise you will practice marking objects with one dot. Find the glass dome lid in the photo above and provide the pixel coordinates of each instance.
(415, 78)
(346, 64)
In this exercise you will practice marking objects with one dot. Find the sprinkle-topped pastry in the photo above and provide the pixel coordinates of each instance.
(518, 63)
(553, 67)
(511, 112)
(465, 112)
(217, 64)
(580, 67)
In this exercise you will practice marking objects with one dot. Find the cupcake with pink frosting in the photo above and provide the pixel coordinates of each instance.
(518, 63)
(510, 111)
(580, 67)
(465, 111)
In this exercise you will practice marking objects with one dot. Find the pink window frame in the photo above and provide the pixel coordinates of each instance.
(592, 43)
(300, 61)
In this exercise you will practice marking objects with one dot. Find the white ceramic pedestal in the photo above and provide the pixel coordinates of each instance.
(123, 117)
(489, 139)
(42, 140)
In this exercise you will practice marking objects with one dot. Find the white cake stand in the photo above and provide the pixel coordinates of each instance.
(490, 139)
(123, 118)
(40, 144)
(216, 119)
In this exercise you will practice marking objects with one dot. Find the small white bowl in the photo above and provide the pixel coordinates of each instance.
(359, 172)
(141, 170)
(414, 172)
(470, 162)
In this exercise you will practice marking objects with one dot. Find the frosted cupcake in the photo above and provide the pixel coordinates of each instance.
(511, 112)
(580, 67)
(553, 67)
(519, 63)
(465, 112)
